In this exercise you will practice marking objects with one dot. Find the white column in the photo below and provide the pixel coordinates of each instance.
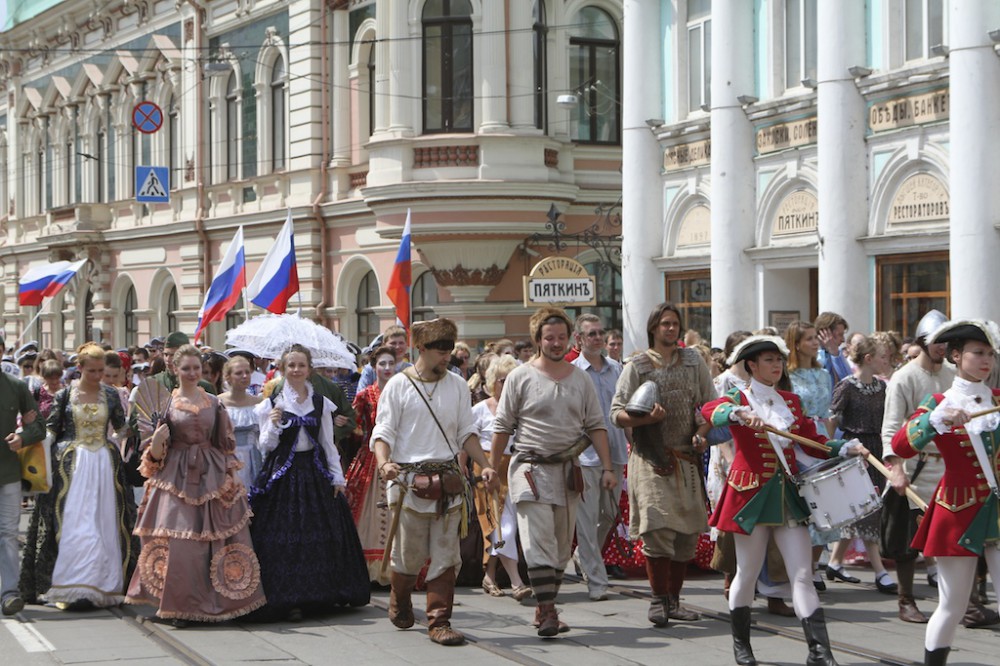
(642, 208)
(382, 29)
(341, 122)
(403, 70)
(844, 283)
(733, 206)
(522, 66)
(975, 141)
(493, 56)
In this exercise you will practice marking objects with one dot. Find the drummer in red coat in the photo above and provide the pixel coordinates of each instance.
(760, 498)
(962, 522)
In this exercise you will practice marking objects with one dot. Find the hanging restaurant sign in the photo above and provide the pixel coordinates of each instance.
(559, 281)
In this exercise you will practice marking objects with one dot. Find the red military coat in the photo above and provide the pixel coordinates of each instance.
(951, 528)
(756, 469)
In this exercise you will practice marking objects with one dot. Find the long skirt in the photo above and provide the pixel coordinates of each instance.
(309, 552)
(366, 491)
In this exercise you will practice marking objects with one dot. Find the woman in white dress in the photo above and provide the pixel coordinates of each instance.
(485, 415)
(240, 406)
(79, 543)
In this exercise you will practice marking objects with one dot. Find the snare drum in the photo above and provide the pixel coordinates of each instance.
(839, 492)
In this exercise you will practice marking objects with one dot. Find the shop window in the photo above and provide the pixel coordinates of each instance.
(909, 286)
(692, 294)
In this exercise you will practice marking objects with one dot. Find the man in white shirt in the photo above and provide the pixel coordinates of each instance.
(424, 420)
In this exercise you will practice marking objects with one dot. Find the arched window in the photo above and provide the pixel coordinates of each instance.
(131, 324)
(594, 75)
(278, 116)
(447, 66)
(236, 316)
(368, 300)
(540, 37)
(609, 295)
(424, 296)
(174, 160)
(232, 133)
(172, 307)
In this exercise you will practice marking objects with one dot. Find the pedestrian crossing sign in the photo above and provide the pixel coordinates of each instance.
(152, 184)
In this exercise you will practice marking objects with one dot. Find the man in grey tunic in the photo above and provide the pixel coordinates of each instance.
(551, 404)
(665, 488)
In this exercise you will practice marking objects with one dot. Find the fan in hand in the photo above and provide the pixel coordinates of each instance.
(152, 400)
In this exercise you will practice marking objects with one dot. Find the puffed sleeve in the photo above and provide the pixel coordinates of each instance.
(388, 413)
(326, 430)
(268, 440)
(56, 423)
(225, 439)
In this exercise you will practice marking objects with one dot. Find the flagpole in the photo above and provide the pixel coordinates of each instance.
(246, 304)
(38, 314)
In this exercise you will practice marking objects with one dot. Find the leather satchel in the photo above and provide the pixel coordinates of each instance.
(435, 486)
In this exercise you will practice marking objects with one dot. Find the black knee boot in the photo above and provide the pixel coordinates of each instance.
(739, 618)
(818, 640)
(937, 657)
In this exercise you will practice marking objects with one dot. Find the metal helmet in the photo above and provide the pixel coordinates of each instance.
(644, 399)
(929, 323)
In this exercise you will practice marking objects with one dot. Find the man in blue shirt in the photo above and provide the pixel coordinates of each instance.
(598, 509)
(831, 329)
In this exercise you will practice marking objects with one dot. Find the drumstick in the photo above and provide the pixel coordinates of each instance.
(910, 492)
(798, 438)
(984, 412)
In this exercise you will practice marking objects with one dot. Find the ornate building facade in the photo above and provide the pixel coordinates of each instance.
(476, 115)
(785, 157)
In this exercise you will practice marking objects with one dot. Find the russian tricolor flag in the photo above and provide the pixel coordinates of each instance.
(45, 281)
(229, 281)
(278, 277)
(401, 279)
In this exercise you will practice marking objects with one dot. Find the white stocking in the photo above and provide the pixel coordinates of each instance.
(955, 579)
(750, 551)
(796, 549)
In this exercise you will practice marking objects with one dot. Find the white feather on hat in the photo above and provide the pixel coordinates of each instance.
(764, 341)
(990, 330)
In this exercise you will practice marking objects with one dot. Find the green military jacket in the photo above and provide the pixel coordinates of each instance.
(15, 399)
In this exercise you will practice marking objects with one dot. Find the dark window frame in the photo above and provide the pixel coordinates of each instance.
(447, 23)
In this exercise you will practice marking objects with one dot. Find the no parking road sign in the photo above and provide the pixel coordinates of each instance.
(147, 117)
(152, 184)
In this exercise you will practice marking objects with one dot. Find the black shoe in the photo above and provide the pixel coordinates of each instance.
(819, 585)
(937, 657)
(839, 574)
(886, 588)
(814, 627)
(739, 619)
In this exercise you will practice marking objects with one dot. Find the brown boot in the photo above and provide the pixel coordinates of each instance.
(908, 611)
(658, 572)
(400, 603)
(777, 606)
(548, 620)
(677, 612)
(563, 627)
(440, 597)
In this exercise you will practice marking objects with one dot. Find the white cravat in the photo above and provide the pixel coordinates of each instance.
(971, 397)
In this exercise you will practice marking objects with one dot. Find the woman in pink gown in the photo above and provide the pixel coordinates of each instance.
(197, 561)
